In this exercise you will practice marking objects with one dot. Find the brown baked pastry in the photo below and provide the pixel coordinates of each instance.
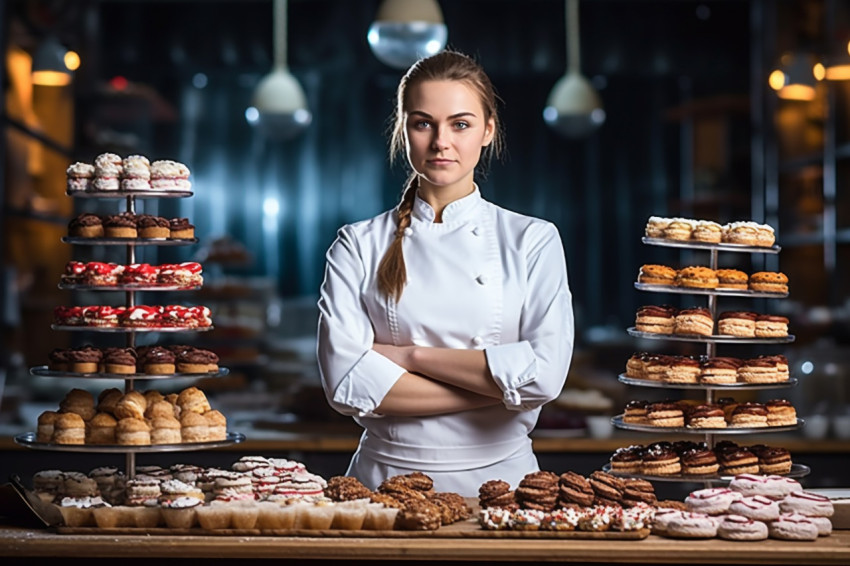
(737, 323)
(165, 430)
(538, 490)
(149, 226)
(655, 226)
(107, 399)
(421, 515)
(181, 228)
(574, 489)
(718, 371)
(217, 423)
(760, 370)
(58, 360)
(637, 491)
(707, 231)
(655, 319)
(85, 359)
(679, 229)
(346, 488)
(744, 233)
(44, 430)
(86, 225)
(696, 321)
(672, 504)
(194, 427)
(636, 365)
(152, 396)
(665, 414)
(683, 369)
(192, 400)
(197, 360)
(780, 412)
(635, 412)
(765, 236)
(697, 277)
(101, 429)
(160, 409)
(607, 489)
(771, 326)
(69, 428)
(658, 367)
(706, 416)
(627, 460)
(132, 405)
(496, 493)
(699, 461)
(660, 459)
(120, 225)
(119, 360)
(157, 361)
(78, 401)
(386, 500)
(732, 279)
(652, 274)
(769, 282)
(773, 460)
(749, 415)
(133, 432)
(737, 460)
(452, 506)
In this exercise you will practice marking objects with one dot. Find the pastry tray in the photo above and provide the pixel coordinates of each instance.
(462, 529)
(698, 291)
(28, 439)
(695, 245)
(128, 329)
(623, 378)
(797, 471)
(42, 371)
(125, 287)
(618, 423)
(125, 194)
(129, 241)
(714, 339)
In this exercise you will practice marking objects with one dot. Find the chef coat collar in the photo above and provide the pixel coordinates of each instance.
(456, 212)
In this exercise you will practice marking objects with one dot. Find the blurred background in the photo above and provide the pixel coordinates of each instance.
(723, 110)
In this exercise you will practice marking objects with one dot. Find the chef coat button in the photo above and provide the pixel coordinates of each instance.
(476, 231)
(408, 231)
(482, 279)
(477, 340)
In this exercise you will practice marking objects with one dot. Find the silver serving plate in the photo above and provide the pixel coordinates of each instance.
(692, 244)
(618, 423)
(716, 292)
(27, 439)
(714, 339)
(125, 287)
(42, 371)
(128, 330)
(125, 194)
(797, 471)
(129, 241)
(623, 378)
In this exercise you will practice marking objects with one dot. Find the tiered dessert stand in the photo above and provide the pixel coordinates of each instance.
(797, 470)
(130, 290)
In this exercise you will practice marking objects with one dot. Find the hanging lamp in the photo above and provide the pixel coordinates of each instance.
(795, 78)
(573, 108)
(280, 108)
(48, 64)
(404, 31)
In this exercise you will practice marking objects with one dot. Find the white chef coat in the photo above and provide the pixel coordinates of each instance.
(484, 278)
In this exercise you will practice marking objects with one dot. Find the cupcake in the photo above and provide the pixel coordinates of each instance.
(215, 516)
(379, 518)
(180, 513)
(275, 515)
(350, 515)
(78, 511)
(244, 514)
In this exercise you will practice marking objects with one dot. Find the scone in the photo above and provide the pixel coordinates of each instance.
(131, 405)
(193, 400)
(69, 428)
(732, 279)
(655, 319)
(133, 432)
(707, 231)
(655, 226)
(679, 229)
(694, 321)
(771, 326)
(749, 415)
(769, 282)
(737, 323)
(718, 371)
(652, 274)
(698, 277)
(165, 430)
(765, 236)
(665, 414)
(194, 427)
(744, 233)
(101, 429)
(78, 401)
(46, 421)
(780, 412)
(683, 369)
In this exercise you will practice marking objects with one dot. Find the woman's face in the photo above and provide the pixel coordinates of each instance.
(445, 130)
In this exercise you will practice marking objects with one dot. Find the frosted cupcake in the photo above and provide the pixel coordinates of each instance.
(78, 511)
(180, 513)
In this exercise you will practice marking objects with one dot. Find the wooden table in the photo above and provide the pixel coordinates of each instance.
(25, 543)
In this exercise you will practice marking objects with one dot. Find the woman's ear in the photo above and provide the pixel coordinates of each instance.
(489, 132)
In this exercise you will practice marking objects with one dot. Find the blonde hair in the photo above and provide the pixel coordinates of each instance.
(444, 66)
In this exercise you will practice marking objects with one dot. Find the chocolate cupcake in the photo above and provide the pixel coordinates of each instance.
(196, 360)
(85, 360)
(120, 225)
(149, 226)
(181, 228)
(86, 225)
(156, 360)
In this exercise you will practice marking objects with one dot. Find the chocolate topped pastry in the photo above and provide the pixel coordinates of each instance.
(196, 360)
(538, 490)
(156, 360)
(86, 225)
(699, 461)
(682, 446)
(120, 225)
(181, 228)
(607, 489)
(119, 360)
(150, 226)
(58, 360)
(496, 493)
(85, 360)
(574, 489)
(638, 491)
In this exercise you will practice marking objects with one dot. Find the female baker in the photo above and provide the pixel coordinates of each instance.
(446, 323)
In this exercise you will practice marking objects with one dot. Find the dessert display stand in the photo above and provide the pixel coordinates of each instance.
(29, 439)
(797, 470)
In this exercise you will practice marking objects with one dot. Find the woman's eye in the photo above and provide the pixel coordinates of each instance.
(461, 125)
(420, 125)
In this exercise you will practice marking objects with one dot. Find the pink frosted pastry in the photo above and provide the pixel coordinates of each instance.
(793, 527)
(757, 507)
(692, 525)
(711, 501)
(737, 527)
(807, 503)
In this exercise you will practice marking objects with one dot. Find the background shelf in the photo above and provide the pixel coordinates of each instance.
(623, 378)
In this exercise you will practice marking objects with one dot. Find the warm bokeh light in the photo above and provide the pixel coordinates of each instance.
(72, 60)
(838, 73)
(796, 92)
(776, 80)
(819, 71)
(50, 78)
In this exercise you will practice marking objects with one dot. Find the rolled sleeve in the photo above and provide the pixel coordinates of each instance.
(354, 377)
(532, 371)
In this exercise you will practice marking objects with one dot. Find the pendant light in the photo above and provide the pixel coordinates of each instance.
(48, 64)
(279, 105)
(837, 67)
(405, 31)
(795, 78)
(574, 108)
